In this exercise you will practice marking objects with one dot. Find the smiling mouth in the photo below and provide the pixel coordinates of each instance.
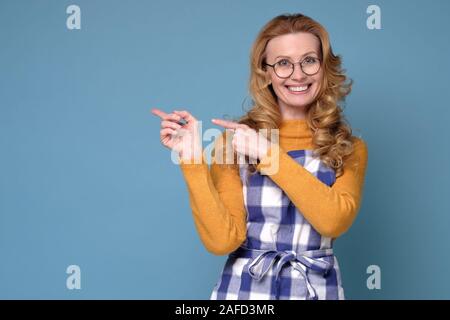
(299, 89)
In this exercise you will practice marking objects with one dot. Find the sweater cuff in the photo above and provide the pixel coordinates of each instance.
(269, 164)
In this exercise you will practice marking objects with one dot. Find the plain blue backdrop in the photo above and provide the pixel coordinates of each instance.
(84, 179)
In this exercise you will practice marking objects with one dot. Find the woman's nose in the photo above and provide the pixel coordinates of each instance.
(298, 73)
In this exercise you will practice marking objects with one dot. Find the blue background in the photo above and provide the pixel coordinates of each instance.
(84, 179)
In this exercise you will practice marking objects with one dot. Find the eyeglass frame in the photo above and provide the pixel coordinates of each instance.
(293, 66)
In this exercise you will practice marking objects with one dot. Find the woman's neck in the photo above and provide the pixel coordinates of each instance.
(295, 134)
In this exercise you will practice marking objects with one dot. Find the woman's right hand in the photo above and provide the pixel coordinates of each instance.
(183, 138)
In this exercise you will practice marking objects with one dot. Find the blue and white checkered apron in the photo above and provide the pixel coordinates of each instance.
(283, 257)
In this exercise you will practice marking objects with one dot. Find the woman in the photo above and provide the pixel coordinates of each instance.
(278, 226)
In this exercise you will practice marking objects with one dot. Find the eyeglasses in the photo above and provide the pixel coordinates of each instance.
(285, 68)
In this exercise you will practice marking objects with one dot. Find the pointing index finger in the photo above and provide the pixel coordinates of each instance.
(165, 116)
(159, 113)
(227, 124)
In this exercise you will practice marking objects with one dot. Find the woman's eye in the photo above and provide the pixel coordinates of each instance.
(310, 60)
(283, 63)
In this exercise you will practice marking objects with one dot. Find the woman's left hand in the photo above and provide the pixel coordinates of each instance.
(246, 141)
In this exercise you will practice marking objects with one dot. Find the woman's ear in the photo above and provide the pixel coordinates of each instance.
(267, 76)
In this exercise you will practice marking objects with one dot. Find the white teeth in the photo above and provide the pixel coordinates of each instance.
(298, 89)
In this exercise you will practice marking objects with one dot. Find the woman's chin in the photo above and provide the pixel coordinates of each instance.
(298, 103)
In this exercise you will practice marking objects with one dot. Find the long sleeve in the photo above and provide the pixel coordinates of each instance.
(217, 202)
(330, 210)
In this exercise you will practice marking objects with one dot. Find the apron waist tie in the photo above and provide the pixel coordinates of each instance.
(263, 260)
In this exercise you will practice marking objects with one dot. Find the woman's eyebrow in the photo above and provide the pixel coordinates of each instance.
(301, 56)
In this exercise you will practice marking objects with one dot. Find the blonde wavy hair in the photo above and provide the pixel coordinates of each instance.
(331, 133)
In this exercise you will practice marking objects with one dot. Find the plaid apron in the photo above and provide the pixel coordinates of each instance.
(283, 256)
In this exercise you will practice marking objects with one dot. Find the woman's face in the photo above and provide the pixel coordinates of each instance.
(292, 98)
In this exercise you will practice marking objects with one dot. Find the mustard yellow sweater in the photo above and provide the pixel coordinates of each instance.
(216, 196)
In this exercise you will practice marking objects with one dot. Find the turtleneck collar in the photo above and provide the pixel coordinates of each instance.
(295, 134)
